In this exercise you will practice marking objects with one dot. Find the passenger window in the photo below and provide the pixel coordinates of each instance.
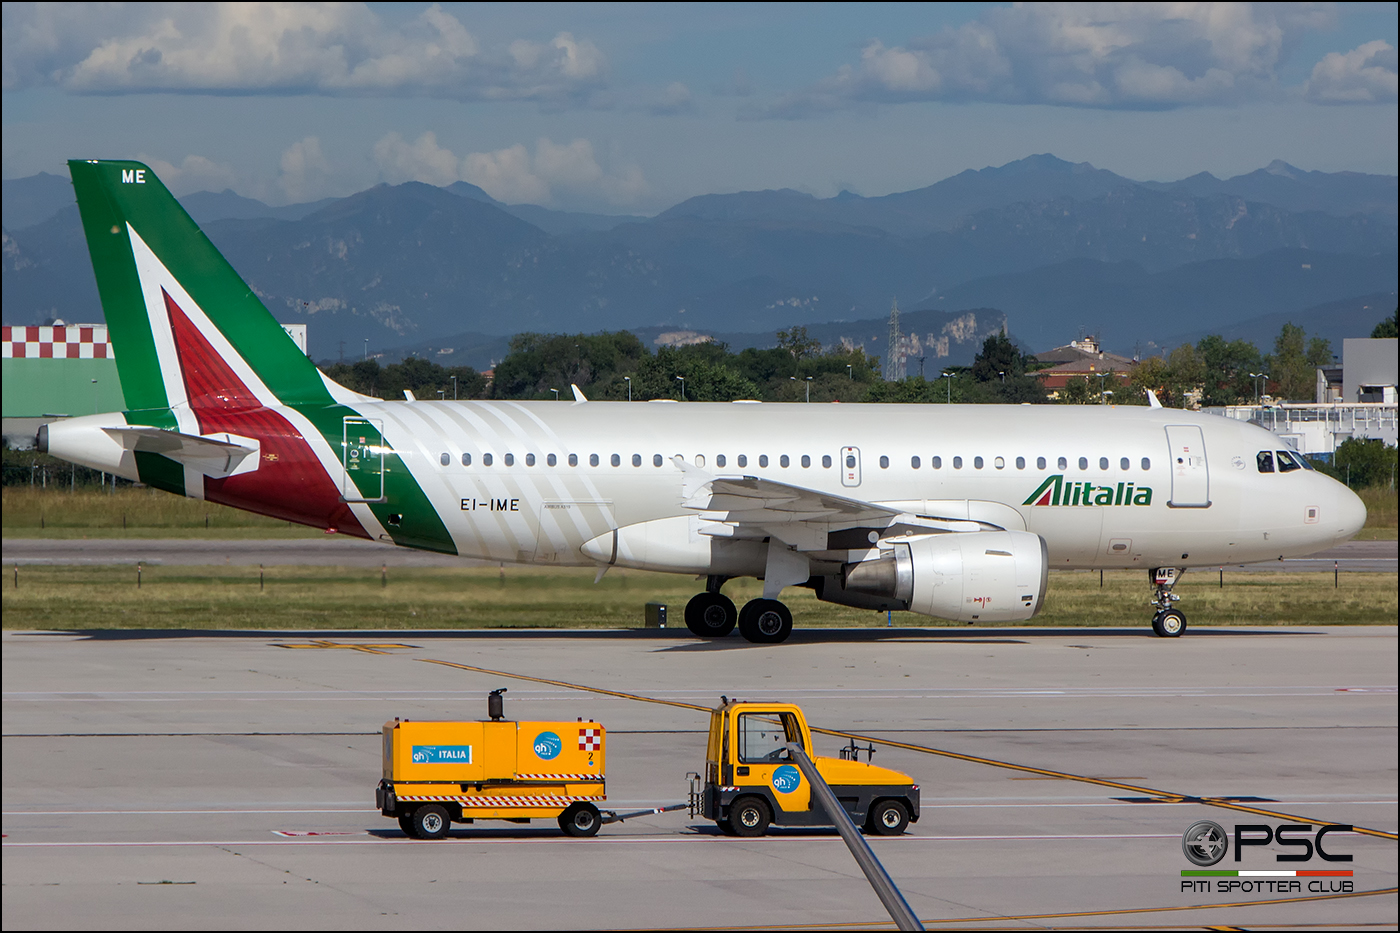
(636, 460)
(573, 460)
(1265, 460)
(1103, 463)
(1020, 463)
(763, 460)
(466, 459)
(957, 463)
(1288, 462)
(485, 459)
(977, 462)
(1064, 464)
(616, 460)
(1083, 463)
(551, 460)
(656, 460)
(510, 459)
(937, 463)
(743, 460)
(593, 460)
(999, 463)
(1124, 464)
(826, 461)
(529, 459)
(783, 461)
(1040, 463)
(806, 461)
(1146, 463)
(914, 462)
(884, 462)
(445, 459)
(719, 460)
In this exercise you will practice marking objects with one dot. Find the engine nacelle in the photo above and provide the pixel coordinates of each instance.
(982, 576)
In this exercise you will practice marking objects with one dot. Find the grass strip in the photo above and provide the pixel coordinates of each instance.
(340, 598)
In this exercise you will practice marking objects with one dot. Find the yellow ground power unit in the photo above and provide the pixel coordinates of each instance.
(440, 773)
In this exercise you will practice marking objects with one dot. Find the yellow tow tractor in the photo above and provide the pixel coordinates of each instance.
(751, 780)
(440, 773)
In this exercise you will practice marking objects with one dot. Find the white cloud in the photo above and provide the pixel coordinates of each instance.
(306, 173)
(568, 171)
(194, 173)
(1108, 55)
(676, 100)
(1365, 75)
(284, 48)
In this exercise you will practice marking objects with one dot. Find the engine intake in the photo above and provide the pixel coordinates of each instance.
(983, 576)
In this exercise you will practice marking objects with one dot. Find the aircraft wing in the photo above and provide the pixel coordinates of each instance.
(753, 507)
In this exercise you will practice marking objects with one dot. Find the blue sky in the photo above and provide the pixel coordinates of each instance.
(629, 108)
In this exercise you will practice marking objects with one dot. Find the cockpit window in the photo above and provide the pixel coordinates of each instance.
(1265, 461)
(1288, 462)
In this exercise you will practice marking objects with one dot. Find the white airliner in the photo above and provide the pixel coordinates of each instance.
(957, 512)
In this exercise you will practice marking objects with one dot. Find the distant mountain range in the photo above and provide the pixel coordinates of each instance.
(1058, 247)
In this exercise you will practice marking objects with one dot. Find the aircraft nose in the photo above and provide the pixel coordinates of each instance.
(1350, 512)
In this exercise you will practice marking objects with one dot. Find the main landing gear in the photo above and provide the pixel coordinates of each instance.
(711, 614)
(1168, 622)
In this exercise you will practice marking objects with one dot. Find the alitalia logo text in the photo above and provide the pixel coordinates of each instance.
(1055, 491)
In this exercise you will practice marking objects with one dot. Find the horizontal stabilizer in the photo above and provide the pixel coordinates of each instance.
(211, 454)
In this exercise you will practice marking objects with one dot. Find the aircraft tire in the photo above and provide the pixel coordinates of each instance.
(765, 621)
(710, 615)
(1169, 623)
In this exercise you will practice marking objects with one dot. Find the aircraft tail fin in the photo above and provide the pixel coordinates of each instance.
(187, 331)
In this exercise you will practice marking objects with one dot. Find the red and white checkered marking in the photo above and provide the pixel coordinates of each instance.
(590, 740)
(559, 777)
(69, 342)
(476, 801)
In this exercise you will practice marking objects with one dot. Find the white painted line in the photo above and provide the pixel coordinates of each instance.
(597, 840)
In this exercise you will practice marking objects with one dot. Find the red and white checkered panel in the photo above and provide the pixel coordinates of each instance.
(70, 342)
(590, 740)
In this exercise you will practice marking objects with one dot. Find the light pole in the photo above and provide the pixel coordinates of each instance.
(949, 377)
(809, 390)
(1002, 374)
(921, 366)
(629, 387)
(454, 388)
(556, 394)
(442, 395)
(850, 375)
(1254, 376)
(682, 379)
(366, 348)
(1102, 376)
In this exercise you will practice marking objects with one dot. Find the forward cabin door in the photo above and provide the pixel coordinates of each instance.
(850, 466)
(1190, 477)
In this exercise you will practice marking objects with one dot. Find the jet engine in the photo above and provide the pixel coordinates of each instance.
(980, 576)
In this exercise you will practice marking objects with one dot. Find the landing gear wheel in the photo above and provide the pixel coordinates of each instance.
(580, 820)
(749, 816)
(710, 615)
(1169, 623)
(430, 821)
(406, 824)
(887, 818)
(765, 621)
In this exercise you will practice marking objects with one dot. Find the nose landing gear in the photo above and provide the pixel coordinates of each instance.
(1168, 622)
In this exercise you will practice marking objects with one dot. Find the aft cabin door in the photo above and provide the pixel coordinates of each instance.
(1190, 479)
(362, 452)
(850, 466)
